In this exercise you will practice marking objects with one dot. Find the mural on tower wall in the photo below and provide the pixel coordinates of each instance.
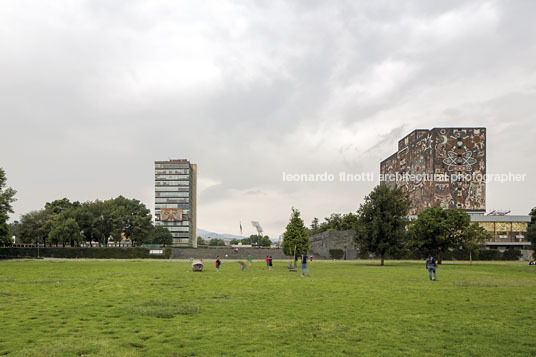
(439, 162)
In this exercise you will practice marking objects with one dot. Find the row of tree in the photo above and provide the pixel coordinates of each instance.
(335, 222)
(255, 240)
(63, 222)
(383, 228)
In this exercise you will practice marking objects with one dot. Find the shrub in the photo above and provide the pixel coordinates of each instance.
(489, 254)
(511, 254)
(336, 253)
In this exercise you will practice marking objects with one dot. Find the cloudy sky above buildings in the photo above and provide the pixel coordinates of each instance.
(93, 92)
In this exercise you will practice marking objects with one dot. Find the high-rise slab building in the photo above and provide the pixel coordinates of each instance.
(443, 167)
(176, 200)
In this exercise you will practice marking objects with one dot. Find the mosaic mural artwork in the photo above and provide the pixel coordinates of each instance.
(438, 153)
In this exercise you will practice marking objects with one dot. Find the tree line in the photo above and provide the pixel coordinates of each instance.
(66, 223)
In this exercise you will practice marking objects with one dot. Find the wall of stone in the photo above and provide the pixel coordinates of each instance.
(321, 243)
(226, 253)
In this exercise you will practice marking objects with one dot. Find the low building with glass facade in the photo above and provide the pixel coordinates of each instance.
(508, 231)
(176, 200)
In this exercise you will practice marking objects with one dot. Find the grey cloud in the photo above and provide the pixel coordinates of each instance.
(93, 93)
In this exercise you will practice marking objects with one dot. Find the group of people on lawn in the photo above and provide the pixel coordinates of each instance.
(431, 265)
(269, 264)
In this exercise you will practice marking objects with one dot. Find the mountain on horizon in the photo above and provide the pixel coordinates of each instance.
(206, 234)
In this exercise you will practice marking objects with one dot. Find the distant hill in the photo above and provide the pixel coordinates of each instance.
(206, 234)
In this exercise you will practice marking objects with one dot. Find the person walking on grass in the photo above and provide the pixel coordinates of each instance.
(304, 269)
(218, 264)
(431, 265)
(242, 266)
(267, 263)
(270, 265)
(249, 261)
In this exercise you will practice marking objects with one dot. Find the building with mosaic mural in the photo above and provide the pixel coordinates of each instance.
(442, 167)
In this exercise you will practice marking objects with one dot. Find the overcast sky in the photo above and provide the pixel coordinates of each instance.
(93, 92)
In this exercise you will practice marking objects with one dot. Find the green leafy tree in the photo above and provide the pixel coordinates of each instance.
(162, 235)
(7, 197)
(59, 206)
(436, 230)
(315, 226)
(132, 220)
(103, 222)
(382, 221)
(295, 238)
(200, 241)
(33, 227)
(217, 242)
(14, 229)
(264, 241)
(531, 233)
(5, 234)
(64, 230)
(473, 236)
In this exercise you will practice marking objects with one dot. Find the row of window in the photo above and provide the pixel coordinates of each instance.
(179, 229)
(172, 177)
(172, 166)
(180, 235)
(173, 172)
(172, 194)
(181, 241)
(184, 211)
(172, 183)
(170, 223)
(172, 200)
(172, 189)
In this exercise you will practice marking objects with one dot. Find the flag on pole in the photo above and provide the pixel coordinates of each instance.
(240, 227)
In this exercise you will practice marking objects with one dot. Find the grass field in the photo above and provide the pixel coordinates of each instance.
(131, 308)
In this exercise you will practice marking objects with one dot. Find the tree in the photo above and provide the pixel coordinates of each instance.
(531, 233)
(315, 226)
(436, 230)
(162, 235)
(64, 230)
(5, 234)
(59, 206)
(295, 238)
(216, 242)
(7, 197)
(14, 229)
(264, 241)
(132, 219)
(335, 222)
(33, 228)
(200, 241)
(473, 236)
(382, 221)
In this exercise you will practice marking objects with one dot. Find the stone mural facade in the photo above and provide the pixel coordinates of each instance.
(443, 167)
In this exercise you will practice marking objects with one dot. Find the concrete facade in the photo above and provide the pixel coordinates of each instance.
(432, 166)
(321, 243)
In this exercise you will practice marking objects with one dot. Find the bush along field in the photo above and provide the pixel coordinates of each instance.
(162, 308)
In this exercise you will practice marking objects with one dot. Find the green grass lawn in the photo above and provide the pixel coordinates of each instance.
(161, 308)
